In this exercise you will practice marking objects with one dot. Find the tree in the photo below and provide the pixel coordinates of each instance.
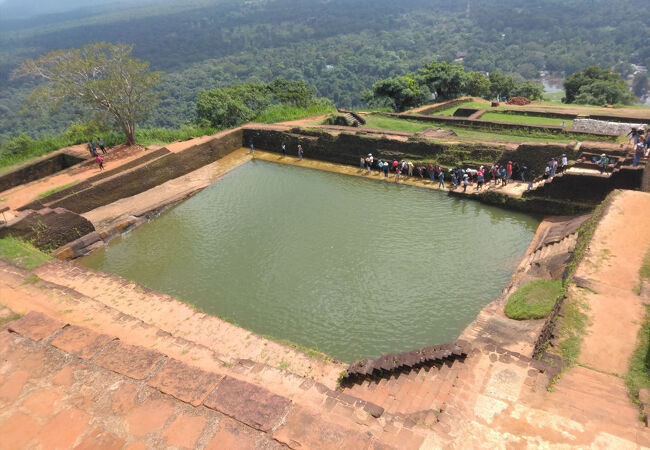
(501, 85)
(607, 85)
(530, 90)
(402, 92)
(445, 79)
(478, 85)
(641, 84)
(99, 76)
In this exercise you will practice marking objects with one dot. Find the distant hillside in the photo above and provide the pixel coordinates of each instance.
(338, 47)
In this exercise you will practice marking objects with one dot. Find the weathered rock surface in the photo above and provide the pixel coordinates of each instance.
(48, 228)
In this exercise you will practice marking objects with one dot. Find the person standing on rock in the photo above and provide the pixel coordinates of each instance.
(386, 165)
(100, 162)
(441, 179)
(465, 181)
(284, 150)
(639, 151)
(100, 142)
(252, 151)
(93, 148)
(300, 152)
(522, 171)
(509, 171)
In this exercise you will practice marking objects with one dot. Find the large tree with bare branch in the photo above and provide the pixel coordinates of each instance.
(99, 76)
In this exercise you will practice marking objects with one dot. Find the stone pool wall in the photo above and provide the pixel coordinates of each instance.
(38, 169)
(150, 175)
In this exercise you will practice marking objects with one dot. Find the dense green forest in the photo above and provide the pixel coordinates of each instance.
(339, 48)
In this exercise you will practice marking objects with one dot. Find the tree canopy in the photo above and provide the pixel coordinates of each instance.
(98, 76)
(597, 86)
(227, 107)
(444, 81)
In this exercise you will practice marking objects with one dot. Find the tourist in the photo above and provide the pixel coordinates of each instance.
(502, 173)
(603, 162)
(397, 173)
(405, 167)
(284, 150)
(100, 142)
(100, 161)
(523, 172)
(565, 163)
(432, 174)
(647, 143)
(508, 171)
(480, 177)
(547, 172)
(532, 178)
(515, 170)
(494, 173)
(634, 136)
(441, 179)
(454, 178)
(553, 166)
(93, 148)
(410, 166)
(371, 159)
(395, 164)
(300, 152)
(252, 151)
(421, 171)
(638, 154)
(362, 163)
(386, 169)
(465, 181)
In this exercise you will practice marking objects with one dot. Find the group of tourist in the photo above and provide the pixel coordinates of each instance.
(498, 173)
(640, 144)
(92, 148)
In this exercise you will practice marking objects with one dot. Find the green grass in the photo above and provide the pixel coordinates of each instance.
(284, 113)
(21, 253)
(534, 300)
(524, 119)
(644, 270)
(391, 123)
(413, 126)
(571, 327)
(56, 189)
(638, 374)
(4, 320)
(21, 149)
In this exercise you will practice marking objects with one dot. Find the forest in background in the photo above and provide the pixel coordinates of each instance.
(339, 48)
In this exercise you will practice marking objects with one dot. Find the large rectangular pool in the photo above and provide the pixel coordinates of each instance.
(351, 266)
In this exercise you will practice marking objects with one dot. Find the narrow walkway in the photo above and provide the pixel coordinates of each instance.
(167, 193)
(514, 189)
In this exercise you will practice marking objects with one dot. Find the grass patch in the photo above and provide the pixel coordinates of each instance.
(21, 149)
(534, 300)
(21, 253)
(5, 320)
(482, 134)
(525, 119)
(644, 270)
(284, 113)
(56, 189)
(571, 327)
(390, 123)
(638, 374)
(33, 278)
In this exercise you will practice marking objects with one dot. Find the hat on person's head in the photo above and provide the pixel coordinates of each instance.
(369, 154)
(603, 155)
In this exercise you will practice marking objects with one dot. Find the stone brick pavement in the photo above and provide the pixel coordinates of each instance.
(64, 386)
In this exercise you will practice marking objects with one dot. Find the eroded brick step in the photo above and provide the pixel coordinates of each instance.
(418, 391)
(184, 322)
(117, 394)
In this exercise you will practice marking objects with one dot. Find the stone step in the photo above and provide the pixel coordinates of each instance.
(221, 388)
(182, 321)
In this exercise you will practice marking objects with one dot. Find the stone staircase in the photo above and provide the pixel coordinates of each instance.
(419, 393)
(315, 402)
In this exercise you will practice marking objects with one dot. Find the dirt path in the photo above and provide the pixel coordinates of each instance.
(612, 263)
(25, 193)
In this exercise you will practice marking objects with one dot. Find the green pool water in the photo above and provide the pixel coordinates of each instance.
(350, 266)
